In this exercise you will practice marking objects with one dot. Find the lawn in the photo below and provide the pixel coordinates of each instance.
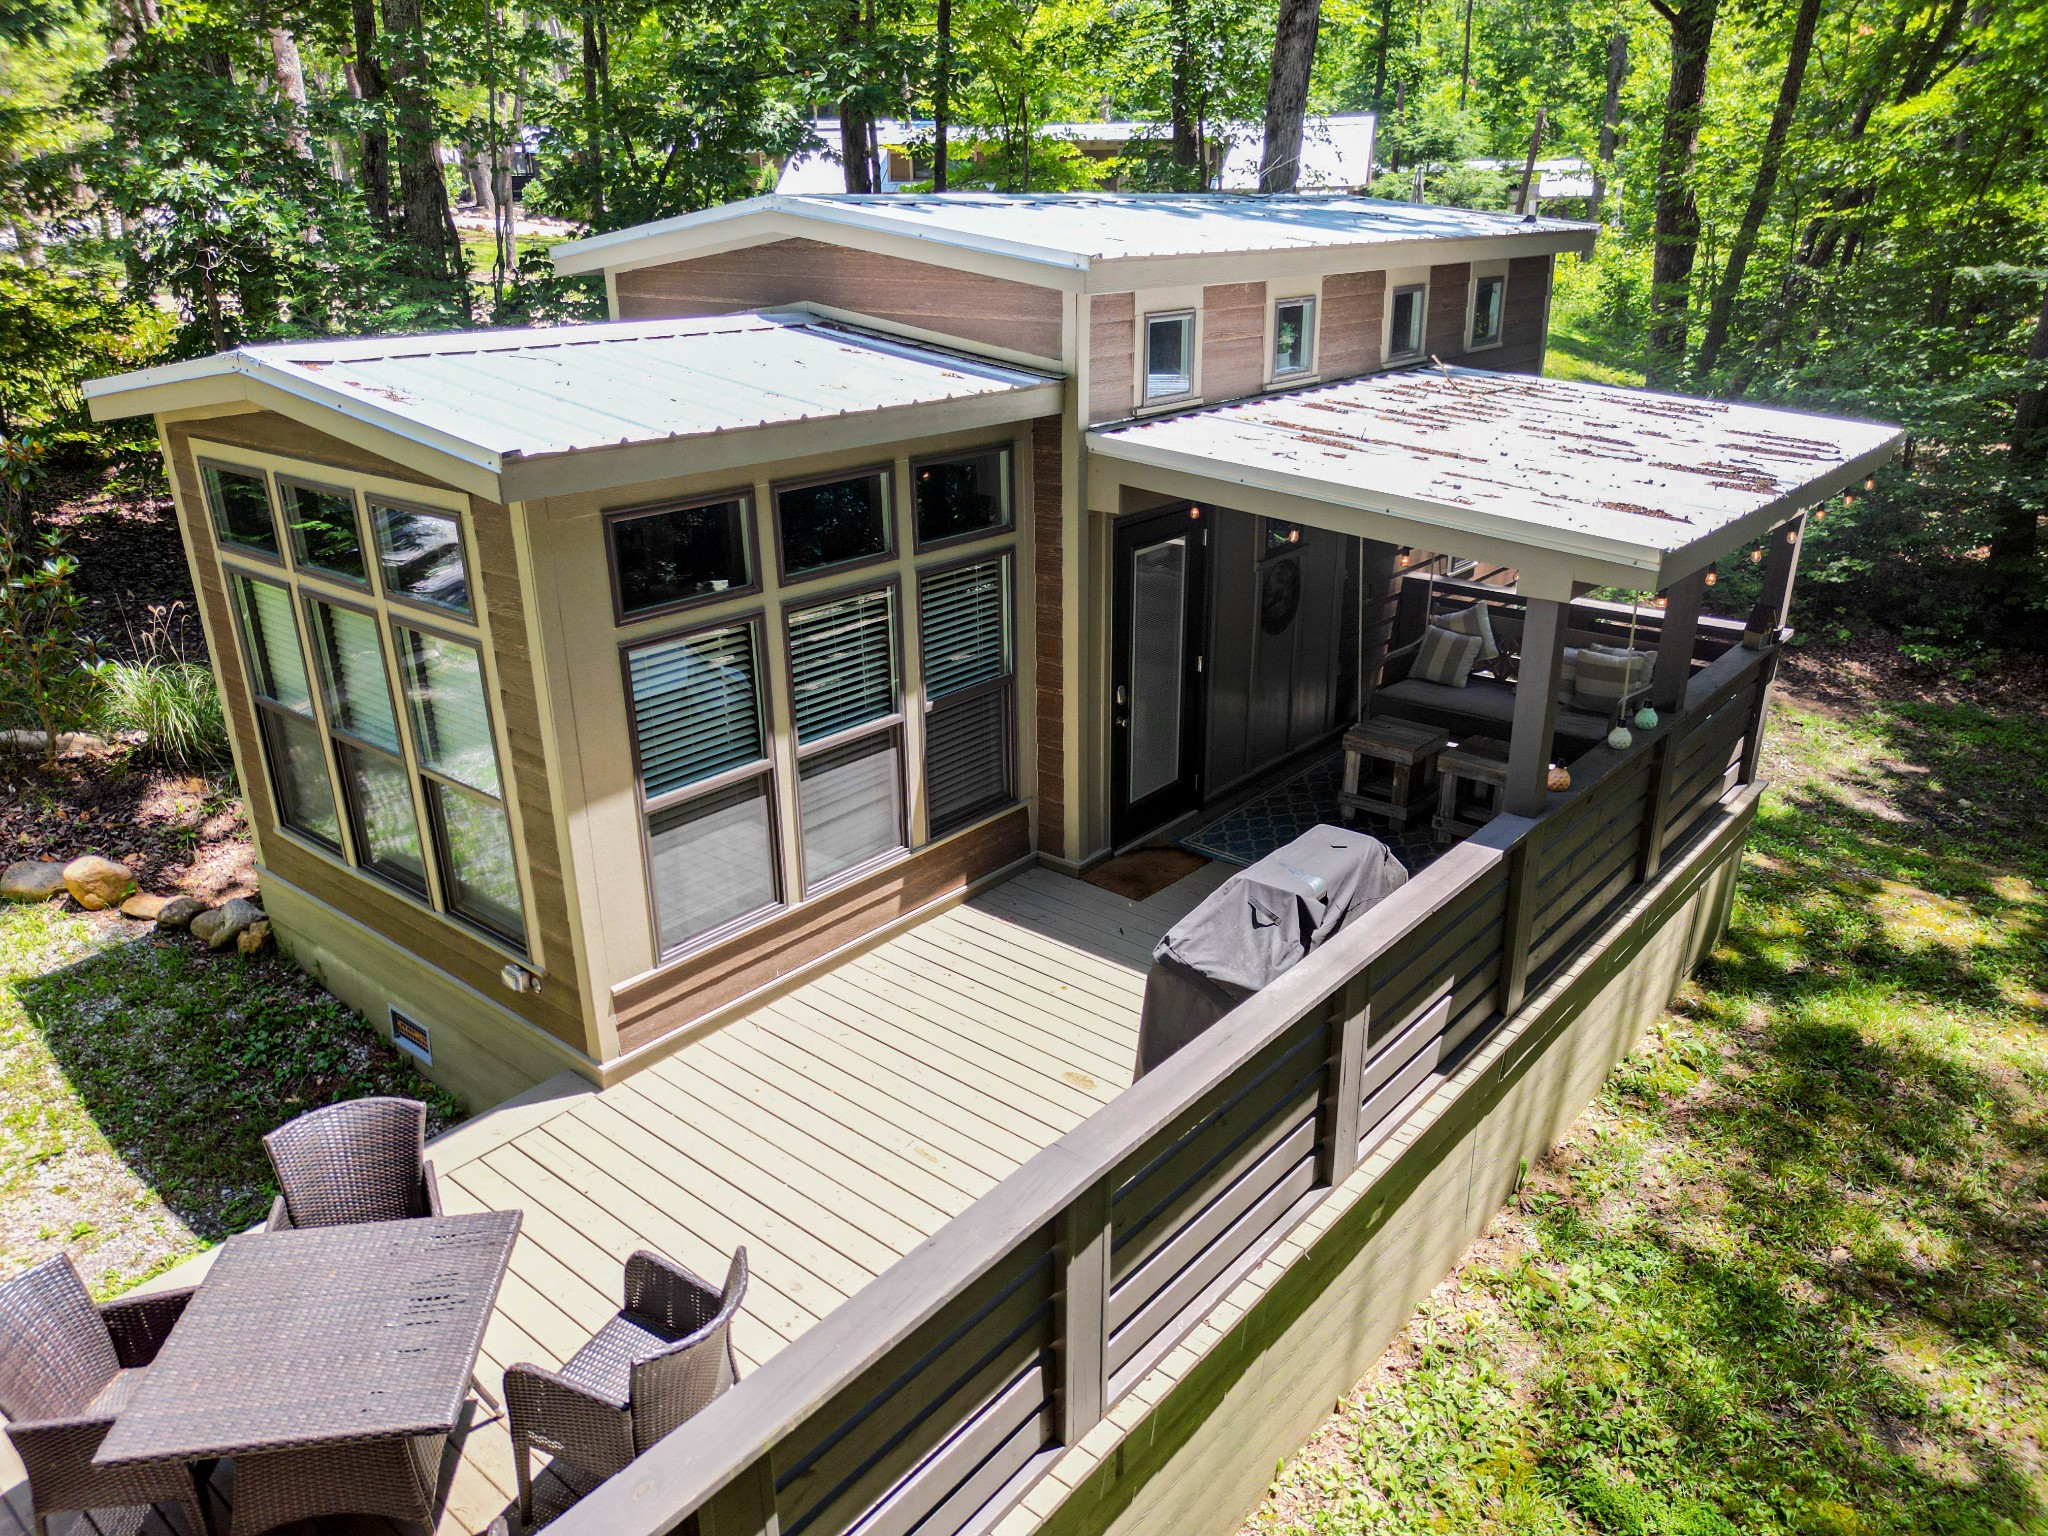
(137, 1076)
(1786, 1275)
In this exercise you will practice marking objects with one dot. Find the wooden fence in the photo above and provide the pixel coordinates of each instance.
(927, 1403)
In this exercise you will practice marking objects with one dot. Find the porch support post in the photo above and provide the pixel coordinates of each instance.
(1682, 602)
(743, 1507)
(1082, 1321)
(1535, 707)
(1781, 565)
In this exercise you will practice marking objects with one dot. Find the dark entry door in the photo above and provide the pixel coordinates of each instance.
(1156, 680)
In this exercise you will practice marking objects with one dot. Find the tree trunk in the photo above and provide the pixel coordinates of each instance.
(372, 86)
(291, 85)
(1528, 193)
(1379, 59)
(2017, 539)
(423, 190)
(1610, 118)
(1180, 90)
(941, 94)
(1465, 64)
(1759, 203)
(1676, 225)
(1394, 155)
(1294, 56)
(593, 120)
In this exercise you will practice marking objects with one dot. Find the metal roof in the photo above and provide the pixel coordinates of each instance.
(1078, 229)
(491, 398)
(1617, 481)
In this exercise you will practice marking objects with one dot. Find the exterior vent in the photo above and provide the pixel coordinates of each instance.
(412, 1038)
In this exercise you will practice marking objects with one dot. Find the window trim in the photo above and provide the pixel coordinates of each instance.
(1187, 317)
(1006, 682)
(315, 716)
(300, 565)
(385, 590)
(766, 766)
(222, 544)
(1005, 451)
(1421, 292)
(896, 720)
(1500, 314)
(744, 495)
(1309, 348)
(890, 552)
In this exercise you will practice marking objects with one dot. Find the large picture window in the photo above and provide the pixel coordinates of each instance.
(843, 690)
(705, 780)
(964, 629)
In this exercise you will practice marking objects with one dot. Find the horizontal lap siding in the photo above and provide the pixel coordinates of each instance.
(1233, 340)
(1450, 297)
(557, 1007)
(1353, 315)
(994, 311)
(1525, 309)
(1112, 348)
(1049, 575)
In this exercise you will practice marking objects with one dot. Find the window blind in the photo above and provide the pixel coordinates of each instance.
(842, 664)
(696, 708)
(445, 688)
(274, 644)
(961, 624)
(352, 661)
(966, 757)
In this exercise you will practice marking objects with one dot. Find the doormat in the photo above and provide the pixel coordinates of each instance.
(1279, 815)
(1145, 872)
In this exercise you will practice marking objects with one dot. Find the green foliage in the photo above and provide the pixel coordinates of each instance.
(59, 328)
(173, 705)
(43, 679)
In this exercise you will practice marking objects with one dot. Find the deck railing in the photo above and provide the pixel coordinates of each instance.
(932, 1398)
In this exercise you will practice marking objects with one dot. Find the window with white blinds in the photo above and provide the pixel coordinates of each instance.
(299, 776)
(375, 785)
(964, 634)
(705, 780)
(843, 691)
(842, 663)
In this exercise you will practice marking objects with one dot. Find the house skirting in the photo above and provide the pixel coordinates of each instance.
(1191, 1450)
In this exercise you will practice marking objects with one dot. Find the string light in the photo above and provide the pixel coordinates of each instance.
(1756, 557)
(1713, 577)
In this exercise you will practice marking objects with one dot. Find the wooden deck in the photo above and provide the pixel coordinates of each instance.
(830, 1131)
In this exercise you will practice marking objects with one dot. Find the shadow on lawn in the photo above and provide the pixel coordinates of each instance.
(184, 1059)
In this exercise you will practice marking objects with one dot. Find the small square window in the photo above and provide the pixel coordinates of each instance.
(960, 498)
(321, 520)
(1404, 338)
(833, 523)
(1486, 297)
(673, 556)
(240, 502)
(421, 555)
(1169, 355)
(1294, 329)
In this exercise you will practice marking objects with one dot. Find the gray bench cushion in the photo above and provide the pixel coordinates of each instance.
(1480, 702)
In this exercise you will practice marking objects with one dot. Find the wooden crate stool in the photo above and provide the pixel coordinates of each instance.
(1474, 772)
(1401, 784)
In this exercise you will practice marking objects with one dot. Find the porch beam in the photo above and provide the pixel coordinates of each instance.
(1781, 567)
(1683, 600)
(1535, 721)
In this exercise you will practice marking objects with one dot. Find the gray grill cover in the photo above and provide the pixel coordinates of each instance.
(1254, 926)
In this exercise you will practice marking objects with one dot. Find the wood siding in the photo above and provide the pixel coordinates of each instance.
(1526, 307)
(1354, 311)
(1233, 340)
(991, 310)
(1450, 308)
(557, 1008)
(668, 999)
(1049, 587)
(1112, 348)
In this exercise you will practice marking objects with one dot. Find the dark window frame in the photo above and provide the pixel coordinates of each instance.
(1005, 451)
(749, 537)
(1474, 342)
(222, 542)
(300, 564)
(1006, 683)
(372, 504)
(891, 513)
(262, 706)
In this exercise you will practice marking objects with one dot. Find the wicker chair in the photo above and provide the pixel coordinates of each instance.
(660, 1361)
(364, 1160)
(67, 1367)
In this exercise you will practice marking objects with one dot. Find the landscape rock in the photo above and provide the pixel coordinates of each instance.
(96, 883)
(226, 923)
(143, 907)
(32, 880)
(179, 911)
(255, 938)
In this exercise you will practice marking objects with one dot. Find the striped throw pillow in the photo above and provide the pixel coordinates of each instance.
(1445, 656)
(1473, 621)
(1568, 674)
(1608, 676)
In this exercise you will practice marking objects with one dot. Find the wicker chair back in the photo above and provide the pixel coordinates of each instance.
(55, 1351)
(358, 1161)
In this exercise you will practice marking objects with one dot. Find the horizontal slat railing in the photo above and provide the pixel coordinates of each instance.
(927, 1402)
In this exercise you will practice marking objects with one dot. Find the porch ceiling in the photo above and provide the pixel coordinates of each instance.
(1568, 482)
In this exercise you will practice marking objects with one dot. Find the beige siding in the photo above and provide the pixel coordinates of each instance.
(1112, 347)
(1233, 340)
(1450, 310)
(1049, 683)
(1525, 311)
(1353, 314)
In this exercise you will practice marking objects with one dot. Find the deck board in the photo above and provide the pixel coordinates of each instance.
(830, 1130)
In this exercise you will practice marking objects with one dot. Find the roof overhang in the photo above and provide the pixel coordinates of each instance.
(1572, 484)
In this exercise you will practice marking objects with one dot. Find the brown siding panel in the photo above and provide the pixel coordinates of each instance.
(1112, 344)
(1524, 308)
(1049, 588)
(1353, 316)
(1233, 340)
(992, 310)
(666, 1001)
(406, 925)
(1450, 307)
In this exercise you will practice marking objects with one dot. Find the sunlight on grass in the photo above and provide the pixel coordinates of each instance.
(1786, 1275)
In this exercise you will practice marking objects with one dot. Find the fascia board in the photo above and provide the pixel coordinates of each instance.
(1120, 274)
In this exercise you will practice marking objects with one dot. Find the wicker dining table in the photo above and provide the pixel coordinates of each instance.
(331, 1363)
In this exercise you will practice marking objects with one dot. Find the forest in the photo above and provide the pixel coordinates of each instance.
(1839, 202)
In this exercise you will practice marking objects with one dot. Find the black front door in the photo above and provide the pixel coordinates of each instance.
(1155, 711)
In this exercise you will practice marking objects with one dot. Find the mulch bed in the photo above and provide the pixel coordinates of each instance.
(131, 561)
(178, 831)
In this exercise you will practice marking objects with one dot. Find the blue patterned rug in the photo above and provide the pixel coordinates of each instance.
(1281, 814)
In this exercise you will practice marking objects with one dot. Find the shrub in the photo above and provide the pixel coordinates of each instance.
(173, 705)
(44, 676)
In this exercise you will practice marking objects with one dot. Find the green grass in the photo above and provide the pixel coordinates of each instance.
(137, 1077)
(1786, 1276)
